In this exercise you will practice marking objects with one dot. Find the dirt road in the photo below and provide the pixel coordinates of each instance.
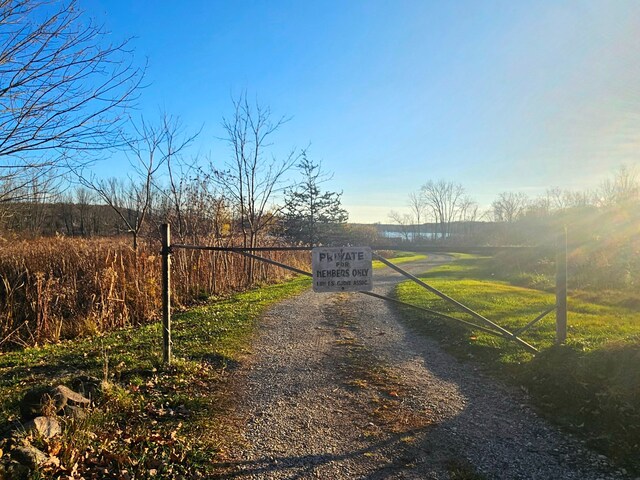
(337, 388)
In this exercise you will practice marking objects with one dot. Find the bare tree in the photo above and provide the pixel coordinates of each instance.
(468, 209)
(193, 204)
(623, 188)
(405, 222)
(67, 210)
(468, 216)
(556, 198)
(509, 206)
(41, 193)
(418, 207)
(251, 178)
(151, 148)
(62, 90)
(188, 189)
(444, 200)
(83, 200)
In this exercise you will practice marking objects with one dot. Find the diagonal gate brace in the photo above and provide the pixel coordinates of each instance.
(534, 321)
(433, 312)
(499, 331)
(505, 333)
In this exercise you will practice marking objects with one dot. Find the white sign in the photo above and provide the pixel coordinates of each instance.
(341, 269)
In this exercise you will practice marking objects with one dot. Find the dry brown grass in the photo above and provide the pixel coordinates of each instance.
(56, 288)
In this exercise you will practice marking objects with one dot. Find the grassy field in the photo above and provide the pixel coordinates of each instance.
(400, 257)
(591, 385)
(152, 420)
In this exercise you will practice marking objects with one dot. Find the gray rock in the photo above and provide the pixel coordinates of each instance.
(15, 471)
(47, 401)
(30, 456)
(70, 397)
(47, 427)
(75, 413)
(41, 401)
(88, 386)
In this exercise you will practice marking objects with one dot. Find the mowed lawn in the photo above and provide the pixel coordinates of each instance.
(469, 280)
(399, 258)
(590, 385)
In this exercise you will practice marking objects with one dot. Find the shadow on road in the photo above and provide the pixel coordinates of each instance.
(305, 465)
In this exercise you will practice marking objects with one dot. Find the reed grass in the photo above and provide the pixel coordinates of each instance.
(58, 288)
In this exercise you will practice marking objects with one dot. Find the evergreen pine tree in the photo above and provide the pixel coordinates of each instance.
(311, 215)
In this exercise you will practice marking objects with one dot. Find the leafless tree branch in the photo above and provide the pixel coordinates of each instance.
(63, 90)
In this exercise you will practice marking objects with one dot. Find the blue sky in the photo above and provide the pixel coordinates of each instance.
(498, 96)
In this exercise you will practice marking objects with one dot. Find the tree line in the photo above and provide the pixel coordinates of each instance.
(511, 217)
(602, 227)
(67, 97)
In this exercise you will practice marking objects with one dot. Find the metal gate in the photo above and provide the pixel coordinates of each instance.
(484, 324)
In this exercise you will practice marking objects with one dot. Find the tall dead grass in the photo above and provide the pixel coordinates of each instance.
(56, 288)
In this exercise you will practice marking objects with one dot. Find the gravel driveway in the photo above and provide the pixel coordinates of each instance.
(336, 387)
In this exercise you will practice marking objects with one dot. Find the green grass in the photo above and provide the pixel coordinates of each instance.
(591, 325)
(590, 385)
(151, 417)
(399, 258)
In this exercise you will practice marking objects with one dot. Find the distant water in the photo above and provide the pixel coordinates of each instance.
(395, 234)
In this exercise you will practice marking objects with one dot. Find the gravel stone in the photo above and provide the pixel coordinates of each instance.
(302, 418)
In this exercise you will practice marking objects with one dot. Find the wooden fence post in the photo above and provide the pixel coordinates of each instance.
(166, 293)
(561, 288)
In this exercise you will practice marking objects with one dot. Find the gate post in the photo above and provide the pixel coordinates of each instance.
(166, 293)
(561, 288)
